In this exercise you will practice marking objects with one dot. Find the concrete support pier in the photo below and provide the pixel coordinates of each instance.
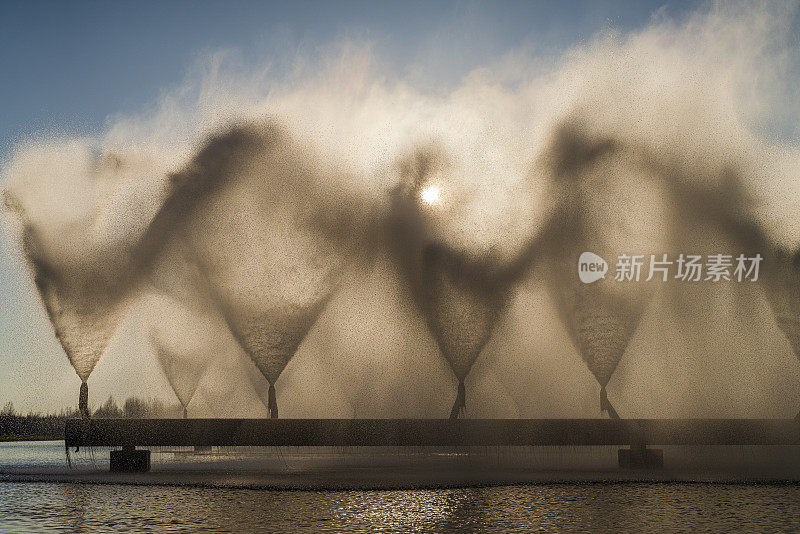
(130, 460)
(640, 457)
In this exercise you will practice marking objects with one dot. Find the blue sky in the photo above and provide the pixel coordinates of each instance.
(69, 66)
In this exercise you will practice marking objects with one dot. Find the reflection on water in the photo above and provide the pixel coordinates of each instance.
(776, 461)
(652, 507)
(560, 507)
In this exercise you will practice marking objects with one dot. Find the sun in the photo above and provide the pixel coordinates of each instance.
(430, 195)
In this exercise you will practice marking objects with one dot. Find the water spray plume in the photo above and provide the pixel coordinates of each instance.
(76, 242)
(185, 340)
(250, 203)
(608, 207)
(462, 293)
(184, 326)
(781, 281)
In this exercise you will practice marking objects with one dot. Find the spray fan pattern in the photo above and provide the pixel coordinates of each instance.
(261, 220)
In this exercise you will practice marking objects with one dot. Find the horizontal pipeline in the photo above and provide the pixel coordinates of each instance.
(429, 432)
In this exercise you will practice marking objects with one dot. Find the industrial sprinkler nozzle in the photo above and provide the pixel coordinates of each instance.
(461, 401)
(605, 404)
(272, 403)
(83, 400)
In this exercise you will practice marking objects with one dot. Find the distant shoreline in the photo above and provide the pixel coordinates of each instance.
(23, 437)
(15, 427)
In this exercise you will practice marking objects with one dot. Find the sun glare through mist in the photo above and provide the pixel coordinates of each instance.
(430, 195)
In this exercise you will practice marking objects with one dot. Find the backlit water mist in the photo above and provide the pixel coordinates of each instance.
(353, 245)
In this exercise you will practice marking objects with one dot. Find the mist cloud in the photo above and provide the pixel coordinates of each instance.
(285, 195)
